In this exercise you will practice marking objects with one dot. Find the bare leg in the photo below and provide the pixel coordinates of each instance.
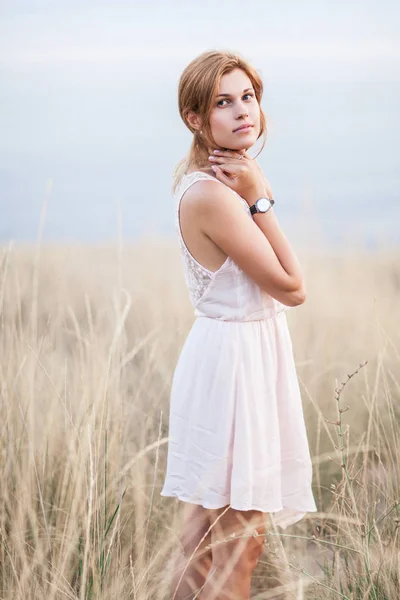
(189, 577)
(234, 558)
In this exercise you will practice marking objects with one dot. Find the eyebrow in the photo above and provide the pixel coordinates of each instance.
(229, 95)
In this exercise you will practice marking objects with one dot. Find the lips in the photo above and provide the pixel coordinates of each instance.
(244, 126)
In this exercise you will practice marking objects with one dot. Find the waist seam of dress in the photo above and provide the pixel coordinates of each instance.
(242, 320)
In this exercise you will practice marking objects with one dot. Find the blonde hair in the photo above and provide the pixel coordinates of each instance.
(198, 87)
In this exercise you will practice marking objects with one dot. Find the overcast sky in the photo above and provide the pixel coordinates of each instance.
(308, 39)
(88, 98)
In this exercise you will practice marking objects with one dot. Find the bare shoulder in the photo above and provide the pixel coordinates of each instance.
(206, 194)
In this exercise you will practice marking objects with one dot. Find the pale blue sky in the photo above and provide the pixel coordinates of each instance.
(88, 99)
(333, 41)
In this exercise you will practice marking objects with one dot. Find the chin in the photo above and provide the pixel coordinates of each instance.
(241, 144)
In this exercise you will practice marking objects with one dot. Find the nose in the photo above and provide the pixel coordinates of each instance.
(242, 111)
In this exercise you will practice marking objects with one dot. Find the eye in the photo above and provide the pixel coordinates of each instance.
(225, 100)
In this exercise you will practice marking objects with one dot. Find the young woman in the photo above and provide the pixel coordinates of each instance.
(238, 447)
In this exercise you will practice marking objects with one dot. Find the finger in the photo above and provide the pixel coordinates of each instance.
(220, 175)
(229, 153)
(216, 158)
(246, 155)
(222, 159)
(232, 168)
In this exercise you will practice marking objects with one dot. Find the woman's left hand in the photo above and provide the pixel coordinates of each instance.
(268, 190)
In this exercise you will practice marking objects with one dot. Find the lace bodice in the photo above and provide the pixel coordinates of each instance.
(198, 278)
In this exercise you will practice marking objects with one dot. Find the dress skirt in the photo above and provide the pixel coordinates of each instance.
(237, 434)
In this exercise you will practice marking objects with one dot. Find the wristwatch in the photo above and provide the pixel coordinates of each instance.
(262, 205)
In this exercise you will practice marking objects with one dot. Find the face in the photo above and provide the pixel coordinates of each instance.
(235, 105)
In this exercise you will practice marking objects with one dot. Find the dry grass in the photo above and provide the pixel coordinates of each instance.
(89, 341)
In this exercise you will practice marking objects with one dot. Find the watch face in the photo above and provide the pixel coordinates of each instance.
(263, 204)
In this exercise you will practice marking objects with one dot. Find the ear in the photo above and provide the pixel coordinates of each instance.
(194, 120)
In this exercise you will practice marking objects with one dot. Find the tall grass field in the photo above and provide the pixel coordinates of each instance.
(89, 339)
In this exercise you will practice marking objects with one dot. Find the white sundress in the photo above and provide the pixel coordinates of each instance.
(237, 434)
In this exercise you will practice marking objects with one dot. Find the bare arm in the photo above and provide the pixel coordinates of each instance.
(221, 217)
(268, 223)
